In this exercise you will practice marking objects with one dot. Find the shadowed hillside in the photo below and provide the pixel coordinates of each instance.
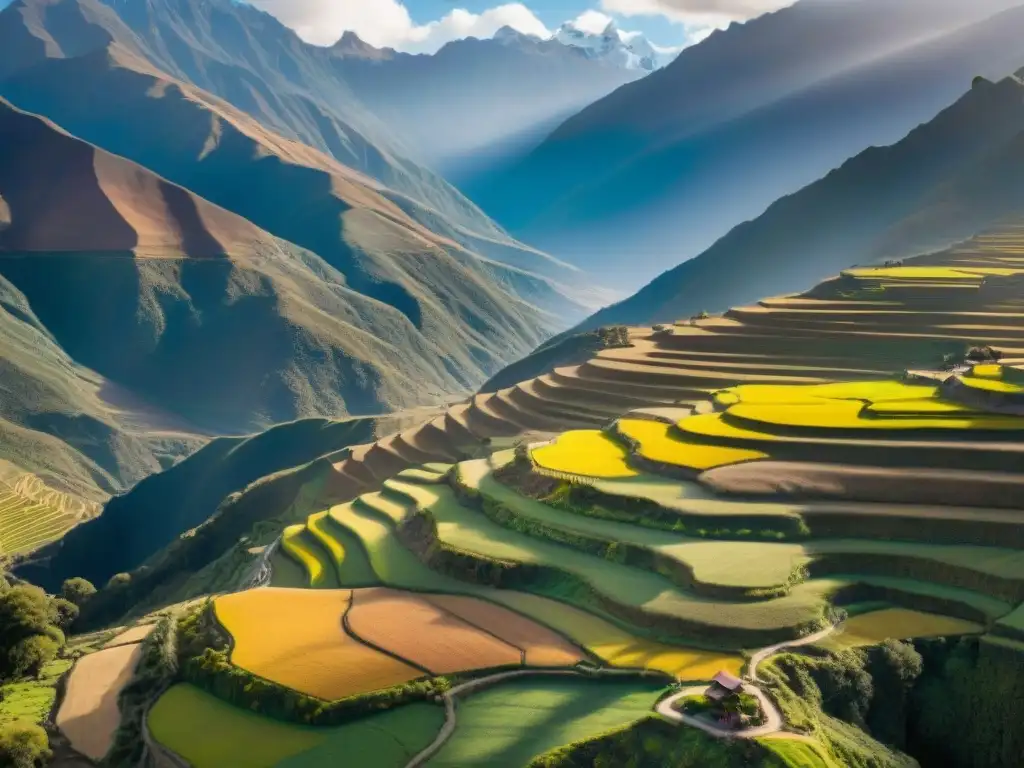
(657, 171)
(949, 178)
(202, 313)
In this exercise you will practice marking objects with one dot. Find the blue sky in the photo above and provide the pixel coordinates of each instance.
(425, 25)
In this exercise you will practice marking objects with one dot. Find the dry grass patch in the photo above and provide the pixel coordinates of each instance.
(587, 452)
(89, 715)
(430, 637)
(543, 647)
(295, 637)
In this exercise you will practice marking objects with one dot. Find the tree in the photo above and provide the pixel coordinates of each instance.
(65, 613)
(77, 590)
(29, 655)
(23, 745)
(24, 611)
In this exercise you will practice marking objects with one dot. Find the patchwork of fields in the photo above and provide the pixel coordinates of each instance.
(723, 485)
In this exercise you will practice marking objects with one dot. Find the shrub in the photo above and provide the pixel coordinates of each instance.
(77, 590)
(119, 580)
(23, 745)
(27, 656)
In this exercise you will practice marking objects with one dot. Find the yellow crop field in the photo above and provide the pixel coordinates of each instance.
(846, 414)
(543, 647)
(587, 452)
(916, 273)
(712, 425)
(992, 385)
(987, 371)
(618, 647)
(657, 444)
(295, 637)
(413, 628)
(932, 407)
(796, 394)
(293, 542)
(898, 624)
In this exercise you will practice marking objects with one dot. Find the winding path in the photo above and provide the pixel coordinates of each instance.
(774, 720)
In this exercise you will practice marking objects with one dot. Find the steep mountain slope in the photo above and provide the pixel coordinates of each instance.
(662, 167)
(945, 181)
(202, 313)
(469, 105)
(253, 62)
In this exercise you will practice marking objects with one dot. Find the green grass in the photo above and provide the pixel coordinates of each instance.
(302, 546)
(507, 726)
(32, 699)
(209, 733)
(386, 740)
(796, 753)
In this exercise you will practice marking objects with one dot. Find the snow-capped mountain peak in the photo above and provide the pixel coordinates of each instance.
(630, 50)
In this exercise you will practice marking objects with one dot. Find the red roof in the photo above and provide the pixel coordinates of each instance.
(728, 682)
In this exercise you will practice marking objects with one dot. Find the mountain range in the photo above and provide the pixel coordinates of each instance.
(184, 261)
(655, 172)
(477, 105)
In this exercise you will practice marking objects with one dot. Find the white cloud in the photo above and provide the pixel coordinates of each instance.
(387, 23)
(709, 13)
(592, 22)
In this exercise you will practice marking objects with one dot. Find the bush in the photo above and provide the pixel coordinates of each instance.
(119, 580)
(23, 745)
(77, 590)
(29, 655)
(65, 612)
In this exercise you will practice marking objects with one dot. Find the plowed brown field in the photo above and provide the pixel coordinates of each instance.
(412, 627)
(543, 647)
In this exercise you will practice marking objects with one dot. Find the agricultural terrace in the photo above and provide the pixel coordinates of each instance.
(89, 715)
(585, 452)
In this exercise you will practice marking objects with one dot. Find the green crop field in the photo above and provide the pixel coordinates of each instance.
(387, 740)
(350, 562)
(507, 726)
(32, 700)
(231, 736)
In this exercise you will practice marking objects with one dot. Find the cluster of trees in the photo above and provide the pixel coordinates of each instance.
(613, 336)
(33, 627)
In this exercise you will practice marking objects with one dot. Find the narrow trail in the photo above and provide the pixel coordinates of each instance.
(774, 722)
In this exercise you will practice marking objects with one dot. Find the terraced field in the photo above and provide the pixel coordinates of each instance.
(723, 485)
